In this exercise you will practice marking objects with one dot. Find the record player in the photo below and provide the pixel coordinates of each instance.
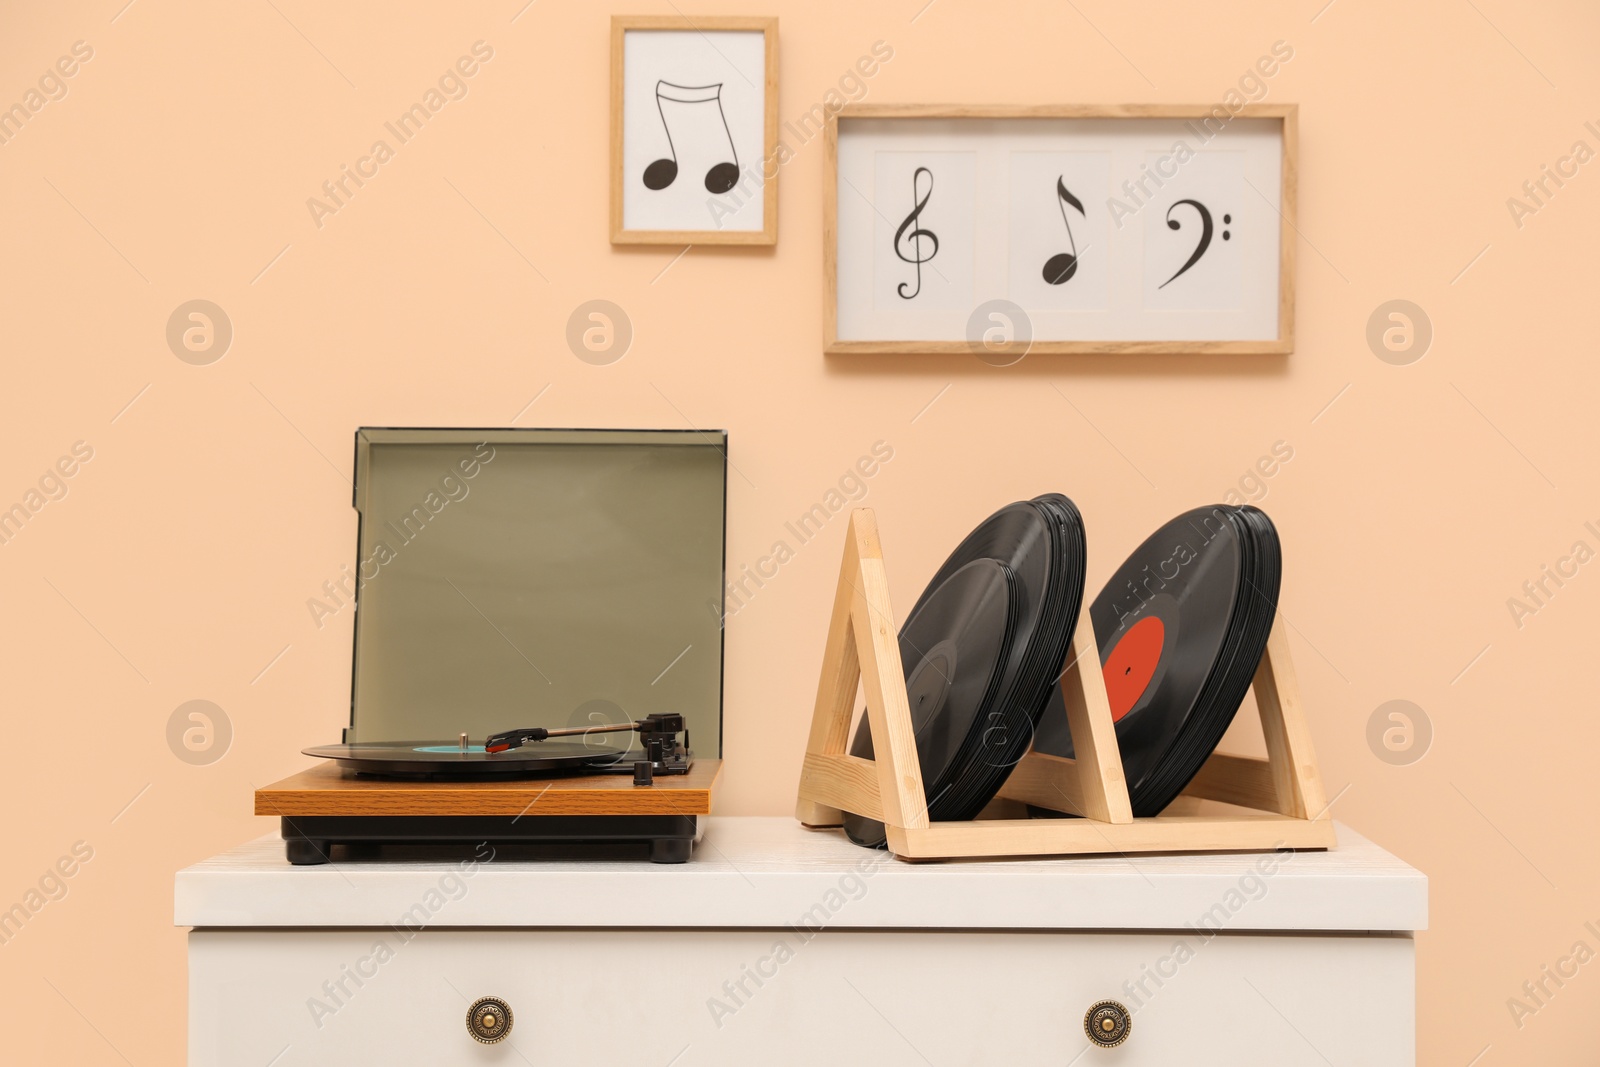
(538, 645)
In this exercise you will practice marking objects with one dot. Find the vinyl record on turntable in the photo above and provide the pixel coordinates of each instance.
(981, 649)
(1182, 626)
(428, 759)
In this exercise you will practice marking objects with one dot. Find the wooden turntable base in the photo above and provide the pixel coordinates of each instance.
(325, 805)
(327, 790)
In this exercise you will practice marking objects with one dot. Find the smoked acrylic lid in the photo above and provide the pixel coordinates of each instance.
(537, 577)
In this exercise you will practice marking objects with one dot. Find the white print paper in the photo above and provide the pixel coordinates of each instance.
(924, 204)
(693, 124)
(1198, 239)
(1060, 251)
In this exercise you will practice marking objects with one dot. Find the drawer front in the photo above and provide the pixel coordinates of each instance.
(688, 997)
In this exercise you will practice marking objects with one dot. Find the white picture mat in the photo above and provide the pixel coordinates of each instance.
(1254, 147)
(737, 59)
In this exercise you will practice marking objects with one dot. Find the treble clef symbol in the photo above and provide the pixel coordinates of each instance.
(915, 237)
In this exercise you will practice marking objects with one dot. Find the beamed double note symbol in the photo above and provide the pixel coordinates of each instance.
(912, 235)
(1206, 230)
(663, 172)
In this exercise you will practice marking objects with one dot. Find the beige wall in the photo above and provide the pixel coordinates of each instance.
(178, 565)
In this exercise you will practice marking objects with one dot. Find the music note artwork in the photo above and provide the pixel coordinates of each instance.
(721, 176)
(912, 235)
(1207, 230)
(1060, 267)
(1108, 233)
(693, 121)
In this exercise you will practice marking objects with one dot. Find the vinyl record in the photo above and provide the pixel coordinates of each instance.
(431, 759)
(1181, 626)
(974, 714)
(952, 649)
(1255, 609)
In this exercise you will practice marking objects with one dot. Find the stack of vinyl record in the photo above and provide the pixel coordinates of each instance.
(1182, 627)
(982, 649)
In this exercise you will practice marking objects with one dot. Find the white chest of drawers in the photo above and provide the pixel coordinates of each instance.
(778, 946)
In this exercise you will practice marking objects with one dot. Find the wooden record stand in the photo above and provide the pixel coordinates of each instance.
(1278, 801)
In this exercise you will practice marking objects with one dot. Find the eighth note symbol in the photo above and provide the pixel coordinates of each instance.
(915, 236)
(660, 174)
(1063, 265)
(1206, 229)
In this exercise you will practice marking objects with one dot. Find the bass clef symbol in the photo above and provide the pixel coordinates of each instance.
(913, 235)
(1206, 229)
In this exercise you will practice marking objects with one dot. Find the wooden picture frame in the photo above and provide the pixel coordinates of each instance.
(1198, 117)
(756, 179)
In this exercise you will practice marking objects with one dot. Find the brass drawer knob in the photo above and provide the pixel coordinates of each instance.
(1107, 1024)
(489, 1020)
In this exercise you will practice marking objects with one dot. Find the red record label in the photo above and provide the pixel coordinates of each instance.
(1132, 664)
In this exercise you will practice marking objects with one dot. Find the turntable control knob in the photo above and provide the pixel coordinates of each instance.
(1107, 1024)
(489, 1020)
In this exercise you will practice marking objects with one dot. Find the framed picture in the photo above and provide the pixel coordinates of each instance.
(1060, 229)
(694, 130)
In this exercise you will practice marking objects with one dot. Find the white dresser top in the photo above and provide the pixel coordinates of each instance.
(769, 872)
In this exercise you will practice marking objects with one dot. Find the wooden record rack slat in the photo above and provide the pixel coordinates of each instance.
(1277, 802)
